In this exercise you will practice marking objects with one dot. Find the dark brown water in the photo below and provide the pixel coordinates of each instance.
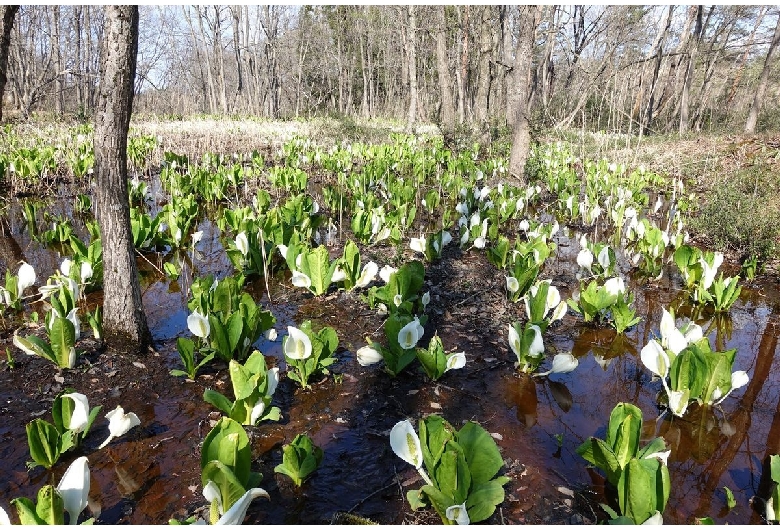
(153, 473)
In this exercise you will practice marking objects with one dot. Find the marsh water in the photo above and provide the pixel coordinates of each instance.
(152, 474)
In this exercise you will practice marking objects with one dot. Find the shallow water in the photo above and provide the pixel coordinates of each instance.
(154, 474)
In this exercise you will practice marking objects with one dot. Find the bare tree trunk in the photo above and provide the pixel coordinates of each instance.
(210, 77)
(123, 314)
(55, 44)
(686, 90)
(9, 13)
(447, 114)
(463, 54)
(236, 12)
(758, 100)
(657, 51)
(521, 137)
(412, 59)
(483, 69)
(78, 59)
(220, 58)
(363, 63)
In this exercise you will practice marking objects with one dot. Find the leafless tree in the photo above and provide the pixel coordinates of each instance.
(123, 314)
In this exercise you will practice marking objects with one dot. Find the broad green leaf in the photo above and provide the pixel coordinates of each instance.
(244, 382)
(434, 434)
(235, 326)
(452, 475)
(218, 400)
(233, 437)
(481, 452)
(25, 508)
(219, 339)
(43, 440)
(484, 498)
(230, 487)
(624, 435)
(50, 507)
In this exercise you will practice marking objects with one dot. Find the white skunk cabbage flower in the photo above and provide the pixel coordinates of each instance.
(26, 277)
(512, 285)
(604, 258)
(236, 514)
(297, 345)
(655, 359)
(367, 275)
(385, 273)
(119, 423)
(417, 244)
(198, 325)
(458, 514)
(585, 258)
(242, 243)
(456, 360)
(80, 415)
(366, 356)
(406, 444)
(74, 488)
(615, 286)
(338, 275)
(410, 334)
(563, 363)
(299, 279)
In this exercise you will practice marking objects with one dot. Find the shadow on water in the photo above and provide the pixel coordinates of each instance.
(153, 473)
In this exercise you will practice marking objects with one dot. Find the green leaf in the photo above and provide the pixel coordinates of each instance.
(244, 381)
(230, 487)
(235, 327)
(481, 452)
(434, 434)
(219, 339)
(218, 400)
(63, 339)
(43, 440)
(774, 468)
(50, 507)
(228, 443)
(623, 436)
(433, 359)
(731, 502)
(484, 498)
(25, 508)
(416, 499)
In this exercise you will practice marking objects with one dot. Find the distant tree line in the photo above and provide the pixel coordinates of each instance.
(628, 69)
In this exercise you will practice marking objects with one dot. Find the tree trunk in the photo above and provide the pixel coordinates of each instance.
(521, 136)
(123, 314)
(686, 90)
(750, 126)
(483, 68)
(412, 58)
(9, 13)
(657, 52)
(447, 114)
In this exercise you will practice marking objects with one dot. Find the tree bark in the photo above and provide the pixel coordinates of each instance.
(412, 58)
(9, 13)
(758, 100)
(521, 136)
(447, 114)
(686, 90)
(123, 314)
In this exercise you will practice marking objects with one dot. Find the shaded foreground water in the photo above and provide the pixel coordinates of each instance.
(153, 473)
